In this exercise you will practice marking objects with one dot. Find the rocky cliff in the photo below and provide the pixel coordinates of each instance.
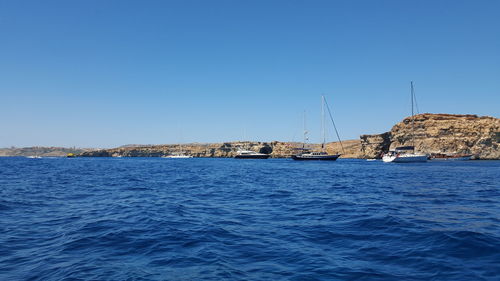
(228, 149)
(440, 133)
(372, 146)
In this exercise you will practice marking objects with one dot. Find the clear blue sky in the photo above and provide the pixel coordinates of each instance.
(98, 73)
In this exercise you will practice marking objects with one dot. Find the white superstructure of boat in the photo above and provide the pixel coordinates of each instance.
(177, 156)
(404, 154)
(248, 154)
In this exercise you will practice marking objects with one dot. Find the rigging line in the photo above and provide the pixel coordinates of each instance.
(415, 99)
(335, 127)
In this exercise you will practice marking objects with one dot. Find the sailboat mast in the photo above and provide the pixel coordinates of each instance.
(333, 123)
(305, 132)
(323, 122)
(412, 116)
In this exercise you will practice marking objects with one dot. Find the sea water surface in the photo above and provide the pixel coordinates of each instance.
(230, 219)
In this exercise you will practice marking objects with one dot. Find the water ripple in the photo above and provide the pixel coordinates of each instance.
(225, 219)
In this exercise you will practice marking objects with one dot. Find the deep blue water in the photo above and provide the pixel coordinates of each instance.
(230, 219)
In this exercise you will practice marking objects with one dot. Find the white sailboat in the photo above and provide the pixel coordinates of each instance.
(178, 155)
(406, 154)
(319, 155)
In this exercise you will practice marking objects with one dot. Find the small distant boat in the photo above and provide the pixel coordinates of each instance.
(248, 154)
(33, 156)
(318, 155)
(450, 157)
(177, 156)
(406, 154)
(70, 155)
(180, 154)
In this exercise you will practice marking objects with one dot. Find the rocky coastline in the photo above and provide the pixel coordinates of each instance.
(433, 133)
(276, 149)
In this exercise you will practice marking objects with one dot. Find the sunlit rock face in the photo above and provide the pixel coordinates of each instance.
(277, 149)
(440, 133)
(429, 133)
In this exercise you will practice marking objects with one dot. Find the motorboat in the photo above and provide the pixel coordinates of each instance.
(177, 156)
(248, 154)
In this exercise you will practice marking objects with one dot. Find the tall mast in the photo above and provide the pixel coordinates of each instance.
(323, 122)
(412, 116)
(305, 131)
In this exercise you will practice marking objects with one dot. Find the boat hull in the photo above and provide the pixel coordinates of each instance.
(177, 156)
(263, 156)
(405, 159)
(316, 157)
(463, 158)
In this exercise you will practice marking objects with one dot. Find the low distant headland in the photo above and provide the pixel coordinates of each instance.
(433, 133)
(42, 151)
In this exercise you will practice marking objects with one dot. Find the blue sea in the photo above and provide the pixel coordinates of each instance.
(230, 219)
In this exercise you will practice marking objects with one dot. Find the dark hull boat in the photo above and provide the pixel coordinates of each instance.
(450, 157)
(314, 156)
(318, 155)
(248, 154)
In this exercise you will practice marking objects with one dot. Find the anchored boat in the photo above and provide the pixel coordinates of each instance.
(319, 155)
(406, 154)
(450, 157)
(248, 154)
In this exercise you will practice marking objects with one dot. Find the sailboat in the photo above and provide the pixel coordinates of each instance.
(319, 155)
(406, 154)
(178, 155)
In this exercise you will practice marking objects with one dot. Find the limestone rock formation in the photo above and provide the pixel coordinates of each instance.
(277, 149)
(440, 133)
(434, 133)
(227, 149)
(372, 146)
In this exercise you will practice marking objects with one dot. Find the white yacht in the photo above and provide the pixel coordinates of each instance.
(177, 156)
(248, 154)
(406, 154)
(180, 154)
